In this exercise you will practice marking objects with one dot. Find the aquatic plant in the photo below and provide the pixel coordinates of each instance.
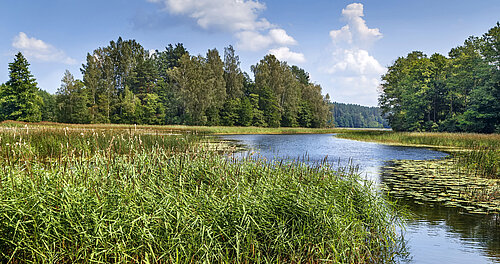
(73, 195)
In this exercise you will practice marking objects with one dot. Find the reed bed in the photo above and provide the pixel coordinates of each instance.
(119, 197)
(180, 128)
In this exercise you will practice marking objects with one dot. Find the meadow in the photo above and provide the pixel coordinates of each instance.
(133, 194)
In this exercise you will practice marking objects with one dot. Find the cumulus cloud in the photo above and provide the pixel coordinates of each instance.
(281, 37)
(254, 41)
(39, 50)
(356, 31)
(285, 54)
(356, 89)
(356, 62)
(355, 73)
(240, 17)
(231, 15)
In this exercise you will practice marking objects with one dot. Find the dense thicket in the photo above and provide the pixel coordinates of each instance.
(357, 116)
(460, 92)
(124, 83)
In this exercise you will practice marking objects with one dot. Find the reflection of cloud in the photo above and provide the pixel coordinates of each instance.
(354, 70)
(38, 49)
(284, 54)
(240, 17)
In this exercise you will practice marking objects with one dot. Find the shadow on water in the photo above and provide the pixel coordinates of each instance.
(435, 234)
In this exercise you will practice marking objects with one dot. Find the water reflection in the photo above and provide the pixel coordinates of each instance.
(435, 235)
(446, 235)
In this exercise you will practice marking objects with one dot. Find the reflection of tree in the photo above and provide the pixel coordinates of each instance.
(483, 229)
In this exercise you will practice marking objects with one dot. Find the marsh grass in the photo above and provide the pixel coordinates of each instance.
(178, 128)
(115, 196)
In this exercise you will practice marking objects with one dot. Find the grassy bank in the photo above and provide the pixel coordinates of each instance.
(81, 195)
(179, 128)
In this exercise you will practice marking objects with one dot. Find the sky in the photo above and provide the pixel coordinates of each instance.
(344, 45)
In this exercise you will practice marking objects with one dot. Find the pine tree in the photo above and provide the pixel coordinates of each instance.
(19, 96)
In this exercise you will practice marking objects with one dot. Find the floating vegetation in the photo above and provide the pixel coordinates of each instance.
(441, 181)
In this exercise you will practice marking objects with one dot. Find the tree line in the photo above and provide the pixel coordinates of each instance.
(125, 83)
(458, 93)
(357, 116)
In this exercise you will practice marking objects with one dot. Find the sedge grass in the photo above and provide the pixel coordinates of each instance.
(129, 198)
(179, 128)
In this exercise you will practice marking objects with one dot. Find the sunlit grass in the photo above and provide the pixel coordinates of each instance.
(129, 195)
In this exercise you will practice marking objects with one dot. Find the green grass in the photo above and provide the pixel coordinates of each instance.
(131, 196)
(478, 154)
(180, 128)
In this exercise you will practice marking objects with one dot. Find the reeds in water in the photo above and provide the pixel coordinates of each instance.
(178, 203)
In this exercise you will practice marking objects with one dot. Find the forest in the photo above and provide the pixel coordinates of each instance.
(124, 83)
(357, 116)
(458, 93)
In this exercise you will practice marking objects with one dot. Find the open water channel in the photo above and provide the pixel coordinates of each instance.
(434, 234)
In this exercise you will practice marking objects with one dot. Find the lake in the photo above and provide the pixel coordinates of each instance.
(434, 234)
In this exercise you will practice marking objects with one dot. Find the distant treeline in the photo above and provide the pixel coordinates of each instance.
(357, 116)
(124, 83)
(458, 93)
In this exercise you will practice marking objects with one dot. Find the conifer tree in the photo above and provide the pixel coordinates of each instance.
(19, 96)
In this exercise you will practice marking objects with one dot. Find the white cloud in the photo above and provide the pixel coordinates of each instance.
(284, 54)
(39, 50)
(232, 15)
(240, 17)
(280, 37)
(356, 90)
(356, 31)
(341, 35)
(356, 62)
(254, 41)
(355, 73)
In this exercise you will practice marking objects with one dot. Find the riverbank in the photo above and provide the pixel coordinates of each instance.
(468, 179)
(213, 130)
(80, 194)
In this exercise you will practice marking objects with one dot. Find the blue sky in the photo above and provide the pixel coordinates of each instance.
(344, 45)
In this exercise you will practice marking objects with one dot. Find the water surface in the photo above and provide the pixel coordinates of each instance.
(435, 234)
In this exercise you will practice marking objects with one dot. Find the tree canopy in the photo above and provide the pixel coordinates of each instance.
(124, 83)
(458, 93)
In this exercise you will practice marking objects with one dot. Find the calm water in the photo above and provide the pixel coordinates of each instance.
(435, 234)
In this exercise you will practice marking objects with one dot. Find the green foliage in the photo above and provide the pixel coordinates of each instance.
(284, 91)
(123, 83)
(459, 93)
(232, 74)
(72, 101)
(19, 96)
(49, 106)
(357, 116)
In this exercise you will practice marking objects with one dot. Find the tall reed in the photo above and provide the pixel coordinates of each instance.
(129, 204)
